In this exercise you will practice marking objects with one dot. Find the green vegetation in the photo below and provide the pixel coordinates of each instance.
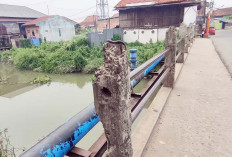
(42, 80)
(146, 51)
(3, 79)
(6, 148)
(26, 43)
(70, 56)
(116, 37)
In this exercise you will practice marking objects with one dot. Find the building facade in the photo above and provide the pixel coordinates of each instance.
(12, 18)
(222, 18)
(146, 20)
(109, 23)
(51, 28)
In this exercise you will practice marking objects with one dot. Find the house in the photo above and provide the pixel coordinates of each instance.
(12, 18)
(146, 20)
(51, 28)
(109, 23)
(222, 18)
(90, 22)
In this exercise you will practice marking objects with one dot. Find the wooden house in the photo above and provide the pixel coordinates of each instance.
(148, 19)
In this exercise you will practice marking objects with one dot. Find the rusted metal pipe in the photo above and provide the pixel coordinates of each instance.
(156, 85)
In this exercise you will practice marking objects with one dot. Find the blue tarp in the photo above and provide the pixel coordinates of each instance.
(36, 42)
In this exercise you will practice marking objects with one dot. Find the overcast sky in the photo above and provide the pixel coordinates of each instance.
(77, 9)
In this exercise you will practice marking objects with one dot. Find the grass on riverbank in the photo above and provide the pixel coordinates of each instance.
(70, 56)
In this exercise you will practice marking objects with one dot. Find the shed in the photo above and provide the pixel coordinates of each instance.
(51, 28)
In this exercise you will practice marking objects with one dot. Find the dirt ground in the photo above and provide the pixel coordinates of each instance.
(197, 118)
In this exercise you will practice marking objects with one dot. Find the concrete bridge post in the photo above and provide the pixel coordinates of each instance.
(182, 34)
(111, 99)
(170, 59)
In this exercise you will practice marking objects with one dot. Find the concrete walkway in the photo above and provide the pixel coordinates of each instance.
(197, 118)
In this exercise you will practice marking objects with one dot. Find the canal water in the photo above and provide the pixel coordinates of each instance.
(31, 112)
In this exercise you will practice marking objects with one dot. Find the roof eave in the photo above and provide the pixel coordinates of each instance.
(159, 5)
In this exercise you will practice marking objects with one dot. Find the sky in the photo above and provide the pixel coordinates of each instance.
(78, 9)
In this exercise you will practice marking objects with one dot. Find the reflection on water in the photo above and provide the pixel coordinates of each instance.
(17, 79)
(31, 112)
(35, 111)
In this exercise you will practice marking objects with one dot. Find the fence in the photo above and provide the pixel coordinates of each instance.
(96, 38)
(63, 140)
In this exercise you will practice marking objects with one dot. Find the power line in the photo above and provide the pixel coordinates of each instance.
(82, 11)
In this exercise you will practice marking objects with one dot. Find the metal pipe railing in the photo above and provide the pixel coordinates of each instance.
(135, 81)
(64, 138)
(147, 64)
(141, 105)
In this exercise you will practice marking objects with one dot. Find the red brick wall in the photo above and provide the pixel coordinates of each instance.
(29, 30)
(107, 24)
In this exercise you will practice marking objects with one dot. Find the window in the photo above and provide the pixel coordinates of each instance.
(33, 33)
(59, 32)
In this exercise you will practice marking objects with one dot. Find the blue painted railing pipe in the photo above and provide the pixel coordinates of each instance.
(147, 64)
(64, 138)
(135, 81)
(142, 71)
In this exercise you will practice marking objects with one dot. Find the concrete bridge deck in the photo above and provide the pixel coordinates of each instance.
(197, 118)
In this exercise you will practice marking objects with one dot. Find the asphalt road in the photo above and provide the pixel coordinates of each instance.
(223, 44)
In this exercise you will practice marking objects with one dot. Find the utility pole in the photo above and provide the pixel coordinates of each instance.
(208, 20)
(48, 9)
(102, 8)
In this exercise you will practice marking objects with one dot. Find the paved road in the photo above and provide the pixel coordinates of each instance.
(223, 44)
(197, 118)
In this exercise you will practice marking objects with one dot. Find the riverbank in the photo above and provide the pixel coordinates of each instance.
(70, 56)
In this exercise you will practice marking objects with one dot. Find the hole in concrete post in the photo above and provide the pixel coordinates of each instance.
(106, 92)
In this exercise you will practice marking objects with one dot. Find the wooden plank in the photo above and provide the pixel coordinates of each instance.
(79, 152)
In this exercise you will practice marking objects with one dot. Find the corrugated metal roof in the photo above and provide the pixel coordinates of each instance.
(36, 21)
(137, 3)
(18, 11)
(223, 12)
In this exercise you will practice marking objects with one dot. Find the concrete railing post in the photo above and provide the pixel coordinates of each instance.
(192, 32)
(188, 36)
(182, 49)
(170, 58)
(111, 99)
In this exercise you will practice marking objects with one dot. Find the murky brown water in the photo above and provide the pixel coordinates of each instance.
(33, 111)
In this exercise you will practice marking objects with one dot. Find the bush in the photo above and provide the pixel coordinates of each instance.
(80, 62)
(25, 43)
(70, 56)
(93, 65)
(116, 37)
(146, 51)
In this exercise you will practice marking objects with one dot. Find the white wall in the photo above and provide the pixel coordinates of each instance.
(190, 15)
(144, 35)
(50, 29)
